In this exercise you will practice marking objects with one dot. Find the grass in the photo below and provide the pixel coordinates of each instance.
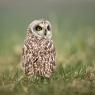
(74, 76)
(74, 37)
(76, 79)
(75, 73)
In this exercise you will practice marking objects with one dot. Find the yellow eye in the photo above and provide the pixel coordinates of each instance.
(38, 28)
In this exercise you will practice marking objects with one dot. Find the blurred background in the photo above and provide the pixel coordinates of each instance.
(73, 23)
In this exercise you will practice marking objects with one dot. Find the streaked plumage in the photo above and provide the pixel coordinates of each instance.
(38, 57)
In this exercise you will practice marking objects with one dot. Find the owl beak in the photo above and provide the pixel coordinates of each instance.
(45, 32)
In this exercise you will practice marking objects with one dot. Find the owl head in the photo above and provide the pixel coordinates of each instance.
(41, 28)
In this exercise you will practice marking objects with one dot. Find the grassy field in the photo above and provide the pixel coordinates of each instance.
(74, 37)
(75, 73)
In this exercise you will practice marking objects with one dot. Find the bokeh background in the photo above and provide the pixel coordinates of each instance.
(73, 23)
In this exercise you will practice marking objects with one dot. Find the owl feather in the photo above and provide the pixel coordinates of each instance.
(38, 53)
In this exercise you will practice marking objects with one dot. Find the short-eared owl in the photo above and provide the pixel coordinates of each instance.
(38, 56)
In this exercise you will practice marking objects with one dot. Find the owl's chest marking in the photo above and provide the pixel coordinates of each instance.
(40, 56)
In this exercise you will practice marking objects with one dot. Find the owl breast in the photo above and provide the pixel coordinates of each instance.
(38, 57)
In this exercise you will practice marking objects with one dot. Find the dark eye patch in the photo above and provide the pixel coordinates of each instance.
(48, 27)
(38, 28)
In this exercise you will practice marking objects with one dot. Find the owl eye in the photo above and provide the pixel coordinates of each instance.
(48, 27)
(38, 28)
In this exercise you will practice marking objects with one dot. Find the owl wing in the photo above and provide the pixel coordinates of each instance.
(51, 49)
(24, 57)
(52, 53)
(49, 56)
(29, 57)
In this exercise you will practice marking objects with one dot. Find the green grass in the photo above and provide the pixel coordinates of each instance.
(75, 73)
(74, 37)
(76, 79)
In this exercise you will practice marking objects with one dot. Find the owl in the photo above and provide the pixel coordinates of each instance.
(38, 52)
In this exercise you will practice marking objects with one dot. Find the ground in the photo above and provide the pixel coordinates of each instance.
(75, 75)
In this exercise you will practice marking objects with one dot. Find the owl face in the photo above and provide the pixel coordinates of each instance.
(41, 28)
